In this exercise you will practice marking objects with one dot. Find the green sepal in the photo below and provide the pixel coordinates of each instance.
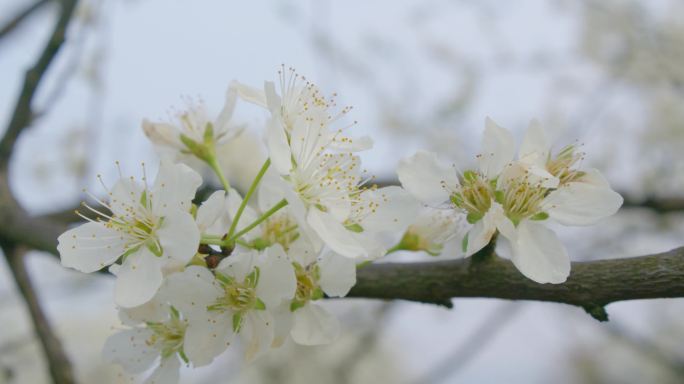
(464, 243)
(354, 227)
(499, 196)
(474, 217)
(253, 278)
(470, 176)
(226, 280)
(540, 216)
(259, 305)
(295, 305)
(209, 134)
(185, 359)
(260, 244)
(237, 322)
(174, 313)
(143, 198)
(457, 199)
(317, 294)
(155, 248)
(129, 252)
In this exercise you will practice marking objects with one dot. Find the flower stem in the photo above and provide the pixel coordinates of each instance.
(248, 196)
(256, 222)
(211, 240)
(211, 161)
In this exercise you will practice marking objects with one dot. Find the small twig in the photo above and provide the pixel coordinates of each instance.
(23, 115)
(60, 367)
(21, 16)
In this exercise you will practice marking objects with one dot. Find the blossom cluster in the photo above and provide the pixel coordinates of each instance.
(192, 277)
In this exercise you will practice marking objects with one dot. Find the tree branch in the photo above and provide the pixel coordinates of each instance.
(592, 285)
(60, 367)
(23, 113)
(22, 15)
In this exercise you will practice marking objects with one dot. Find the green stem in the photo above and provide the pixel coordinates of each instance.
(210, 240)
(211, 160)
(256, 222)
(250, 192)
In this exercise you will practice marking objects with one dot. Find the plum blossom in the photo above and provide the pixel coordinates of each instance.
(194, 129)
(514, 197)
(237, 299)
(138, 347)
(150, 230)
(431, 230)
(317, 274)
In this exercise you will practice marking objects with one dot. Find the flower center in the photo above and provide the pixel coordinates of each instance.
(474, 195)
(308, 287)
(280, 229)
(239, 296)
(563, 165)
(168, 336)
(521, 200)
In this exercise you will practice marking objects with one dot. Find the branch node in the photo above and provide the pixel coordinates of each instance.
(596, 311)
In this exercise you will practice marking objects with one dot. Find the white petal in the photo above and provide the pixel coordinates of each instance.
(338, 274)
(303, 251)
(282, 320)
(155, 310)
(273, 101)
(239, 264)
(350, 144)
(257, 331)
(535, 143)
(250, 94)
(138, 279)
(223, 128)
(269, 192)
(191, 291)
(426, 178)
(393, 209)
(278, 147)
(539, 255)
(179, 235)
(90, 247)
(335, 235)
(168, 372)
(124, 196)
(483, 230)
(277, 281)
(174, 188)
(129, 349)
(163, 134)
(211, 211)
(498, 149)
(313, 325)
(581, 204)
(207, 338)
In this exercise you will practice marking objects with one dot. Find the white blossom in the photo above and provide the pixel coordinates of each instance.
(149, 229)
(515, 197)
(193, 127)
(237, 299)
(159, 341)
(302, 317)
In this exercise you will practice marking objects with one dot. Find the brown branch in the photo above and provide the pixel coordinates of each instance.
(23, 113)
(60, 367)
(592, 285)
(21, 16)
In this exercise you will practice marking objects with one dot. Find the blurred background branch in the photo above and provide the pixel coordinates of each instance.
(21, 16)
